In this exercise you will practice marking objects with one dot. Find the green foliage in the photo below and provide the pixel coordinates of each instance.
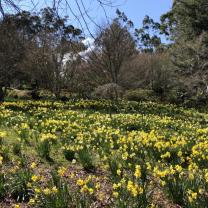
(140, 95)
(2, 186)
(186, 24)
(44, 149)
(114, 167)
(17, 148)
(146, 149)
(191, 17)
(69, 155)
(148, 38)
(60, 196)
(4, 152)
(17, 185)
(86, 159)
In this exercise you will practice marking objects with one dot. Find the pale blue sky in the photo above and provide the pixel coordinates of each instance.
(134, 9)
(137, 9)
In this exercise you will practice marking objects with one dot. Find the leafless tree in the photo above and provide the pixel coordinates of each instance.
(79, 9)
(114, 45)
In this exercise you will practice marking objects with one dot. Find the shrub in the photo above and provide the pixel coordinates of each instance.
(140, 95)
(46, 94)
(174, 96)
(108, 91)
(35, 95)
(20, 94)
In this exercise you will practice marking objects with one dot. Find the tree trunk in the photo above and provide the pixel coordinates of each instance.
(57, 91)
(2, 94)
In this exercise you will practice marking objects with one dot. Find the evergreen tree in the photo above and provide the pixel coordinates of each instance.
(187, 26)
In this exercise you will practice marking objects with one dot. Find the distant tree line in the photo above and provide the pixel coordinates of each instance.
(43, 51)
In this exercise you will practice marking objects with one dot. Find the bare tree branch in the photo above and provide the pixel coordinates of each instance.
(82, 15)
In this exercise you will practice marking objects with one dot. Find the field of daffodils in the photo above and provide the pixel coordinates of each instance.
(98, 154)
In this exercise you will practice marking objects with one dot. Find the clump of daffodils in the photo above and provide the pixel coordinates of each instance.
(47, 137)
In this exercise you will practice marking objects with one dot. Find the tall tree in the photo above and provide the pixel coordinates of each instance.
(11, 53)
(148, 36)
(187, 19)
(46, 56)
(113, 46)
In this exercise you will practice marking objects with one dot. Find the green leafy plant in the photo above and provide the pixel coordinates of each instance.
(58, 195)
(17, 185)
(43, 149)
(69, 154)
(86, 159)
(2, 186)
(16, 149)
